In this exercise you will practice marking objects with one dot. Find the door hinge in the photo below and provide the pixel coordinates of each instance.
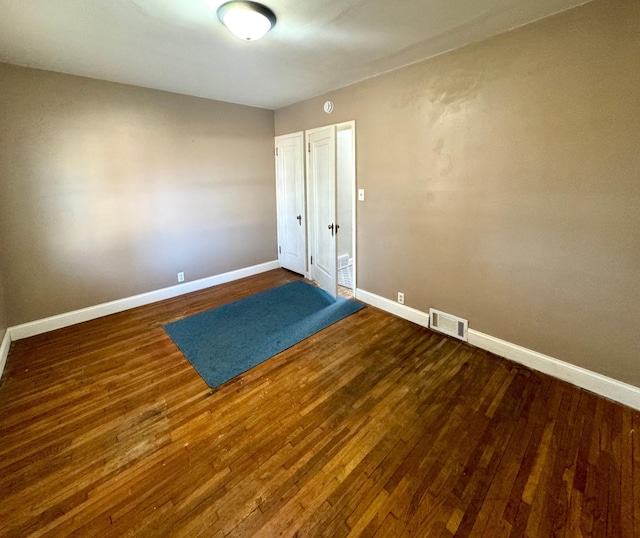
(309, 147)
(279, 249)
(311, 260)
(276, 152)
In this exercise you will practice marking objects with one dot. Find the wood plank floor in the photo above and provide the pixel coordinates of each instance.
(372, 427)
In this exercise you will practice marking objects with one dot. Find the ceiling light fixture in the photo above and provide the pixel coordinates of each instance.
(246, 20)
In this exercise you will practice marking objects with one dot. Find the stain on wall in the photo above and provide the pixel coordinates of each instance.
(503, 184)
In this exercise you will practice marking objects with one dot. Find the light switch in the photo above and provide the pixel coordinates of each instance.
(361, 195)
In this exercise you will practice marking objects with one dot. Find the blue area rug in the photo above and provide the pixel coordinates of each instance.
(233, 338)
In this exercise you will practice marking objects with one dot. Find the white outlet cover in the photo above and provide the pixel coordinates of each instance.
(361, 195)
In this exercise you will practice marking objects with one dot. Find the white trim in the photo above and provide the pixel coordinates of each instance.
(85, 314)
(604, 386)
(397, 309)
(4, 350)
(354, 207)
(581, 377)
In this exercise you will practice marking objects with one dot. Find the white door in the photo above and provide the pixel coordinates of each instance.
(292, 243)
(322, 207)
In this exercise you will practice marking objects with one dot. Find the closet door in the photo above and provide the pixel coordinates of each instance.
(292, 243)
(321, 172)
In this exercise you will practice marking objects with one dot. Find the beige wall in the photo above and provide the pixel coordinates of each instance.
(503, 184)
(107, 190)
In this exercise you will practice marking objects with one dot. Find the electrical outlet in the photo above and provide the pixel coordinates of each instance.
(361, 195)
(180, 276)
(401, 297)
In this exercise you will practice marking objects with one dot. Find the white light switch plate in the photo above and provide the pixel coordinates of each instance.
(361, 195)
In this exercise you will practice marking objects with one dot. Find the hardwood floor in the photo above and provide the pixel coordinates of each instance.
(372, 427)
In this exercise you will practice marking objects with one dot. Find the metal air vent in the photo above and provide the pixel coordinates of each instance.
(448, 324)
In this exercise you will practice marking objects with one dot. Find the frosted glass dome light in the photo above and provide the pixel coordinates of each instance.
(246, 20)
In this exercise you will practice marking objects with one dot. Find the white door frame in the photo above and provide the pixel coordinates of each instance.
(311, 218)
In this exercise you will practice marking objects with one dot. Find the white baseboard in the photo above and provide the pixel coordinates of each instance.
(604, 386)
(85, 314)
(397, 309)
(581, 377)
(4, 350)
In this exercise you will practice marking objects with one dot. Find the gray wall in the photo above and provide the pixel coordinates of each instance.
(108, 190)
(503, 184)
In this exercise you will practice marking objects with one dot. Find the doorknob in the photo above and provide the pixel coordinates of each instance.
(331, 228)
(299, 217)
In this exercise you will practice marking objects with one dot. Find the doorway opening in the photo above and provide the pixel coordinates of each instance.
(346, 189)
(331, 184)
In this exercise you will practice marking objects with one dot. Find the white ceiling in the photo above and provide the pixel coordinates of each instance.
(316, 46)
